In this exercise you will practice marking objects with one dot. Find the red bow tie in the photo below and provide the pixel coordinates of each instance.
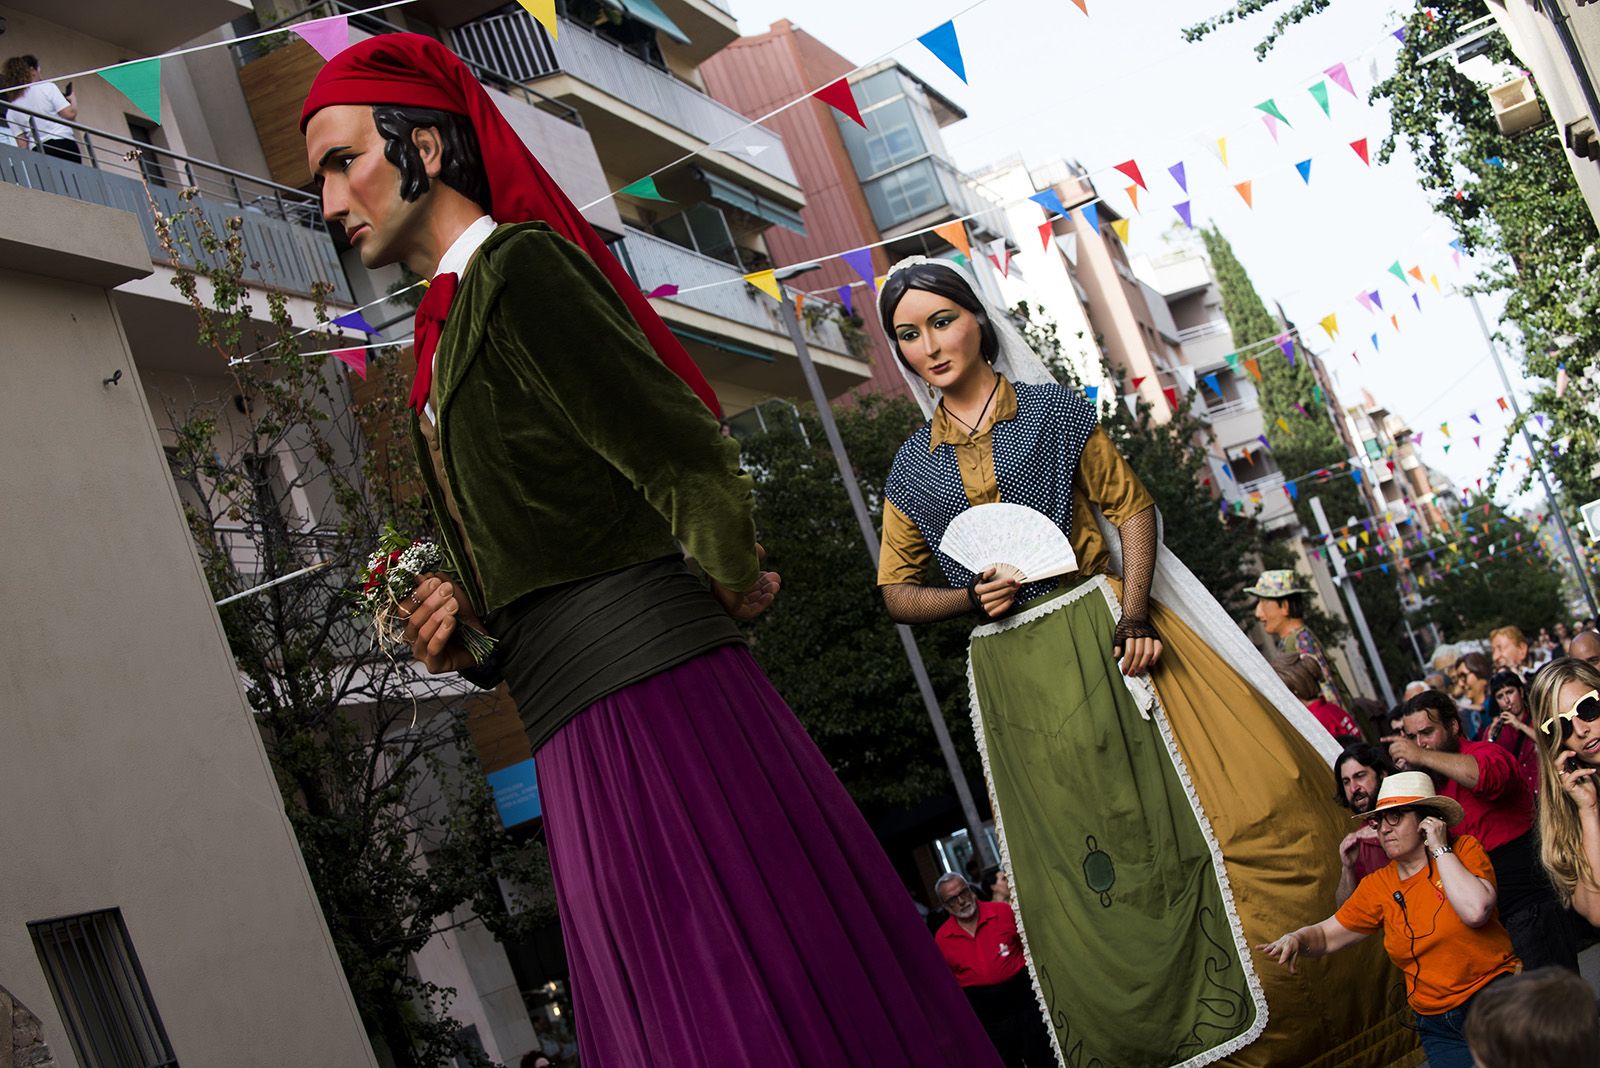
(431, 314)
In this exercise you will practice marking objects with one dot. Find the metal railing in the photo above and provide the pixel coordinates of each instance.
(654, 261)
(246, 51)
(518, 45)
(1233, 407)
(1207, 329)
(286, 244)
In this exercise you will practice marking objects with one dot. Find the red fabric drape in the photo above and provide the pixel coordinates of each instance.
(411, 70)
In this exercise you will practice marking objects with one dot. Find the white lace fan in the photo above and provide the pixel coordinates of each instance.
(1015, 540)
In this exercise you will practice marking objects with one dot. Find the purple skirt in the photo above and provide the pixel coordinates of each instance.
(722, 900)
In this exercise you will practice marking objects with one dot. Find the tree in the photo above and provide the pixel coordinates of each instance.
(391, 810)
(1488, 572)
(1513, 199)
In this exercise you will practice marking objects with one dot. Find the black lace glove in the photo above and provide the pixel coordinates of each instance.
(910, 603)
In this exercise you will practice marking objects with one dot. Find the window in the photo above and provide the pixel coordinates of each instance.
(702, 228)
(100, 991)
(150, 163)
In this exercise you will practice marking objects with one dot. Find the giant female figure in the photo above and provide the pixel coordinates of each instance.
(722, 901)
(1158, 791)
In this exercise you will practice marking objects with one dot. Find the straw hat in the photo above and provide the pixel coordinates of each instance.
(1413, 790)
(1276, 584)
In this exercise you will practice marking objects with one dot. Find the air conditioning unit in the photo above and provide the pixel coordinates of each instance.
(1516, 108)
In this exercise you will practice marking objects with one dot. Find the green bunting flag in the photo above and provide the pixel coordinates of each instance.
(645, 189)
(1270, 106)
(1319, 93)
(1399, 272)
(140, 82)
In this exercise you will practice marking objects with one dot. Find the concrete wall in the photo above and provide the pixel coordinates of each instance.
(131, 773)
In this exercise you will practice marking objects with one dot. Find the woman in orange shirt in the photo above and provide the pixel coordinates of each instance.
(1434, 903)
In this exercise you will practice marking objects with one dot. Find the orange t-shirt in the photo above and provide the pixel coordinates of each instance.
(1451, 961)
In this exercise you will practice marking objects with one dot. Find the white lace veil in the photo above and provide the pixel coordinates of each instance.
(1016, 360)
(1173, 584)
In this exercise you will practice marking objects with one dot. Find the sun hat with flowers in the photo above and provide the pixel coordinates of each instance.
(1278, 584)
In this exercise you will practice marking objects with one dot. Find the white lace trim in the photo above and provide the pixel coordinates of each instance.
(1145, 696)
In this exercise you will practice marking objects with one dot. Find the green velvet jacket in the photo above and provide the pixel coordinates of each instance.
(570, 447)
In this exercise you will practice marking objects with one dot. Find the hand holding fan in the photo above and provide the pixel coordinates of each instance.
(1015, 540)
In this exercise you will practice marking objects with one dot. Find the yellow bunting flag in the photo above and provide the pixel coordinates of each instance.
(1330, 323)
(767, 282)
(956, 234)
(1243, 189)
(1254, 367)
(1121, 227)
(1433, 280)
(544, 12)
(1283, 426)
(877, 283)
(1222, 149)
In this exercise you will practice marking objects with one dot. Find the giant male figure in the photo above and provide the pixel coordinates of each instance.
(722, 901)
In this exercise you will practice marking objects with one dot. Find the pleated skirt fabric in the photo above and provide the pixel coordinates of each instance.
(722, 900)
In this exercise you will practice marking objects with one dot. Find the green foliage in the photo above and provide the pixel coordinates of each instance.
(1243, 9)
(827, 644)
(392, 812)
(1501, 578)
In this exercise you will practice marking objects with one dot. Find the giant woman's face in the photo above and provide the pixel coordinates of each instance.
(360, 188)
(940, 340)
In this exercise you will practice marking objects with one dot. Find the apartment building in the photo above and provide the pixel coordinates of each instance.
(187, 822)
(882, 185)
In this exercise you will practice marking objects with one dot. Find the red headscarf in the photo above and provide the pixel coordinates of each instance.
(410, 70)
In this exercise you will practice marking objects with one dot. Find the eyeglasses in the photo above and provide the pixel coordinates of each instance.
(953, 898)
(1586, 708)
(1391, 817)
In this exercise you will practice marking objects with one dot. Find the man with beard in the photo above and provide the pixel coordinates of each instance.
(1357, 773)
(1498, 811)
(981, 944)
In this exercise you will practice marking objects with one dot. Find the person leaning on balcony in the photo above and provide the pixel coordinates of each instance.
(26, 88)
(720, 895)
(1281, 609)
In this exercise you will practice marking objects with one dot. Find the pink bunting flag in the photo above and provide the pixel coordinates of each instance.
(355, 359)
(1340, 77)
(1002, 265)
(667, 290)
(1272, 127)
(839, 96)
(1366, 302)
(328, 36)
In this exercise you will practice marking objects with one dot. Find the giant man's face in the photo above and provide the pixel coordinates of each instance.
(360, 188)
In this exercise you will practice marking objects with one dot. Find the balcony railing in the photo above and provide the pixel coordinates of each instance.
(286, 245)
(1225, 409)
(930, 184)
(1206, 329)
(516, 44)
(655, 261)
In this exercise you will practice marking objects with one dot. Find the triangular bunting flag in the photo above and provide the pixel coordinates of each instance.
(847, 299)
(1417, 301)
(355, 359)
(1474, 417)
(328, 36)
(1270, 107)
(1131, 169)
(1222, 150)
(1083, 5)
(767, 282)
(1183, 213)
(956, 234)
(1243, 189)
(1049, 200)
(1415, 272)
(1433, 280)
(667, 290)
(1068, 244)
(1272, 127)
(644, 189)
(1284, 426)
(1002, 265)
(860, 261)
(1399, 35)
(838, 96)
(140, 82)
(1177, 172)
(1046, 232)
(942, 42)
(1395, 319)
(1172, 397)
(1366, 302)
(1444, 428)
(1132, 401)
(1330, 323)
(1360, 148)
(799, 301)
(1254, 367)
(1091, 215)
(1133, 195)
(1477, 440)
(1304, 167)
(1212, 384)
(1120, 226)
(1139, 380)
(1286, 343)
(1092, 392)
(1501, 401)
(1396, 270)
(544, 12)
(354, 321)
(1319, 93)
(1340, 77)
(1185, 375)
(877, 283)
(1376, 298)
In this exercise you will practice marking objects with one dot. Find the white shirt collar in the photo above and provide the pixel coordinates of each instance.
(458, 255)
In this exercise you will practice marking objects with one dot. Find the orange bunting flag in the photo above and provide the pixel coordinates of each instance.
(1243, 189)
(1361, 150)
(1121, 228)
(1330, 323)
(838, 96)
(956, 234)
(1395, 319)
(1133, 195)
(1415, 272)
(1254, 367)
(1131, 169)
(1083, 5)
(1501, 401)
(799, 300)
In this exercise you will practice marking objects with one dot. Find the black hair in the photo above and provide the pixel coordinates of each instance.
(461, 161)
(1367, 755)
(1502, 679)
(1294, 604)
(946, 283)
(1442, 705)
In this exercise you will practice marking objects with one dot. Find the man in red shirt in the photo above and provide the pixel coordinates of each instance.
(1484, 778)
(981, 944)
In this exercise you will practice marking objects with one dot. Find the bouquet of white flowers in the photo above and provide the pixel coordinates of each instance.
(389, 577)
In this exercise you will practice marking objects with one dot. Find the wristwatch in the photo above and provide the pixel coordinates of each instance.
(1438, 851)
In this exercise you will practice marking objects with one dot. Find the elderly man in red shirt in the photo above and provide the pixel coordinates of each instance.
(981, 944)
(1498, 811)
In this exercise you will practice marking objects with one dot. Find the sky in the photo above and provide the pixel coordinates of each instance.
(1047, 81)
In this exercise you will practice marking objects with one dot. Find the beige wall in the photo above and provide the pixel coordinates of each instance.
(131, 774)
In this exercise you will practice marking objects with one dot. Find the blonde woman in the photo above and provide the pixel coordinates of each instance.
(1566, 705)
